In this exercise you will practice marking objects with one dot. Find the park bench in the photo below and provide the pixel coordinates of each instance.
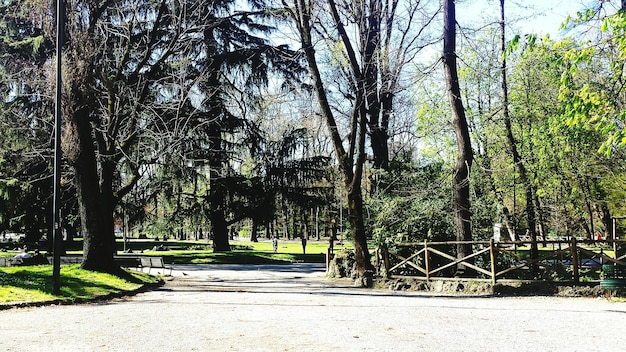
(128, 261)
(154, 262)
(613, 277)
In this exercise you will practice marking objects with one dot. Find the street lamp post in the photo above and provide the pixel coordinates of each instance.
(56, 208)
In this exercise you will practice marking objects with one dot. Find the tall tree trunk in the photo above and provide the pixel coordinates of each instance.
(382, 138)
(317, 222)
(269, 228)
(371, 44)
(586, 194)
(294, 225)
(254, 235)
(217, 196)
(602, 208)
(541, 218)
(70, 231)
(517, 159)
(607, 220)
(217, 192)
(464, 148)
(351, 162)
(95, 208)
(357, 227)
(285, 221)
(509, 223)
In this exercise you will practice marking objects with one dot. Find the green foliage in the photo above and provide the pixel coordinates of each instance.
(411, 203)
(568, 177)
(562, 156)
(34, 43)
(514, 44)
(592, 87)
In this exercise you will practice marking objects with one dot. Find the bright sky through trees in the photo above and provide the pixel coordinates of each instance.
(531, 16)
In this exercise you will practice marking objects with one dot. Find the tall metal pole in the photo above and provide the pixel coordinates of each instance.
(56, 208)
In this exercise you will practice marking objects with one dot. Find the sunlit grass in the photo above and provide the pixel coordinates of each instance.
(294, 246)
(234, 257)
(248, 252)
(34, 284)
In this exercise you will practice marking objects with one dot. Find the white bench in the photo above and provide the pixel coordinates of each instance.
(154, 262)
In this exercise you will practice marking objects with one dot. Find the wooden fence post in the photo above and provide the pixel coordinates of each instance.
(574, 249)
(492, 255)
(386, 261)
(426, 260)
(328, 259)
(377, 259)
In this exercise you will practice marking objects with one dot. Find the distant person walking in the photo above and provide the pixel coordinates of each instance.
(333, 235)
(303, 244)
(275, 244)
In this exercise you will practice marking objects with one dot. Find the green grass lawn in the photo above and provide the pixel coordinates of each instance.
(243, 252)
(27, 284)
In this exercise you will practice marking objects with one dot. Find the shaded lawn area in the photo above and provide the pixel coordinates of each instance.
(27, 284)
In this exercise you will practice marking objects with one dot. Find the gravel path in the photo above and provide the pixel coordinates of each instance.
(294, 308)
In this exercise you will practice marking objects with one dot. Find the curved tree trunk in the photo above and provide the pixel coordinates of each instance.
(464, 148)
(352, 160)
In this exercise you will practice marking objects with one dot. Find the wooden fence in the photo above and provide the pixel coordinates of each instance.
(495, 260)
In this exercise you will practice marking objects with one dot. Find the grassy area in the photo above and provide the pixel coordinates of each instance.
(202, 252)
(234, 257)
(27, 284)
(246, 252)
(243, 252)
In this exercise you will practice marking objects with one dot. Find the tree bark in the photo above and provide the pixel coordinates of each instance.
(607, 220)
(351, 162)
(95, 208)
(541, 217)
(371, 43)
(461, 129)
(517, 159)
(217, 196)
(254, 235)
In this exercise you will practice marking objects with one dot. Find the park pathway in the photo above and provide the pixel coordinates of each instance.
(294, 308)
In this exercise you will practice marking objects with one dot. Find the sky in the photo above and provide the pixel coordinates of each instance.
(539, 16)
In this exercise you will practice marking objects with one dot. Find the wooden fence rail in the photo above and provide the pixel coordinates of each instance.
(431, 261)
